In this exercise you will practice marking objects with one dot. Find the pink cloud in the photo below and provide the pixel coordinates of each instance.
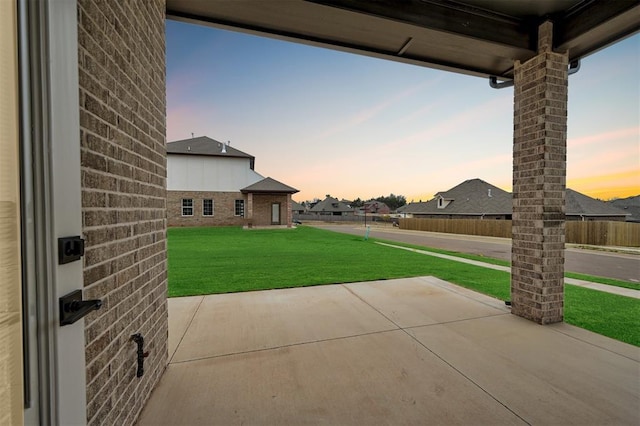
(371, 112)
(606, 137)
(455, 124)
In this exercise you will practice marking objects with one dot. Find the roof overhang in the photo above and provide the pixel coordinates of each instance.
(477, 37)
(269, 186)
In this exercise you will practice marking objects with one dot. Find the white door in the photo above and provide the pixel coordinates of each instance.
(54, 367)
(275, 214)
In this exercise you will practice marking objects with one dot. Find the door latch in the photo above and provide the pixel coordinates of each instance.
(72, 307)
(70, 249)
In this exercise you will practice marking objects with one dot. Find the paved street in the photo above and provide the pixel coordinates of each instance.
(622, 266)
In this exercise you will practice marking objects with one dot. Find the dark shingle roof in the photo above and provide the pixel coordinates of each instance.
(269, 185)
(204, 145)
(577, 204)
(631, 205)
(471, 197)
(331, 204)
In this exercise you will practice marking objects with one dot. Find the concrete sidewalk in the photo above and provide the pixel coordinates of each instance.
(617, 265)
(406, 351)
(622, 291)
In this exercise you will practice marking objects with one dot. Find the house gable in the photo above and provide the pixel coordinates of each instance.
(442, 202)
(204, 164)
(269, 185)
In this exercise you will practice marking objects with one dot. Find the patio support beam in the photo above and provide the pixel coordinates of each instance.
(539, 182)
(249, 211)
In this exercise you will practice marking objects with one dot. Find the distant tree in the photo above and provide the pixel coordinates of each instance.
(357, 202)
(393, 201)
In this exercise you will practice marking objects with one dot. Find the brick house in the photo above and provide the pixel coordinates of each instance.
(297, 208)
(376, 207)
(210, 183)
(331, 206)
(477, 199)
(471, 199)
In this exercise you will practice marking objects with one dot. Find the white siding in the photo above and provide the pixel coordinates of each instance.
(203, 173)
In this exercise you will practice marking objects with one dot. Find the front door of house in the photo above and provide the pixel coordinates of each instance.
(53, 367)
(275, 214)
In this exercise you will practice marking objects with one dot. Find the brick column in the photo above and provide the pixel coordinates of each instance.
(249, 213)
(289, 212)
(539, 180)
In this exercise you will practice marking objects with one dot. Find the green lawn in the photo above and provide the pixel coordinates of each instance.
(223, 260)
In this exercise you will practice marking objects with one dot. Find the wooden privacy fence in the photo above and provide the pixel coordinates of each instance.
(623, 234)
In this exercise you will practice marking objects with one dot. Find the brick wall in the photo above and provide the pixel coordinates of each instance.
(223, 208)
(262, 209)
(539, 179)
(122, 135)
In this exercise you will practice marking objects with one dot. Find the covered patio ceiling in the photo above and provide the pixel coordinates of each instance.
(476, 37)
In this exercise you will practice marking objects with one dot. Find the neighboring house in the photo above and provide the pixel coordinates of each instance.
(582, 207)
(630, 205)
(296, 208)
(331, 206)
(472, 199)
(477, 199)
(210, 183)
(375, 207)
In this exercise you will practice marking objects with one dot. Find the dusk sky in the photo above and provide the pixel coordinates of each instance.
(327, 122)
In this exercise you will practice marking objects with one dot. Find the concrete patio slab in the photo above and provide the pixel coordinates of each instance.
(241, 322)
(598, 340)
(337, 382)
(407, 351)
(424, 301)
(182, 311)
(542, 375)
